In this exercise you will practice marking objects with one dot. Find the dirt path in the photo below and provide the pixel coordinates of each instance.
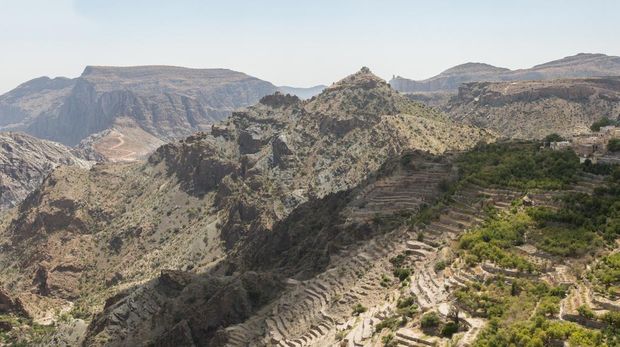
(110, 148)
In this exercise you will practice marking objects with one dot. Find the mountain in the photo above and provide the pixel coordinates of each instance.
(144, 104)
(302, 93)
(25, 161)
(216, 208)
(578, 66)
(534, 109)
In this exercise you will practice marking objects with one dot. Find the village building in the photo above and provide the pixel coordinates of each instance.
(559, 145)
(591, 146)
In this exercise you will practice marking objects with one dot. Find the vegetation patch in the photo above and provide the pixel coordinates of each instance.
(605, 275)
(603, 122)
(521, 165)
(359, 309)
(493, 240)
(406, 306)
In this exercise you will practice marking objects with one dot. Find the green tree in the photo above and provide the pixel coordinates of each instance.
(603, 122)
(614, 145)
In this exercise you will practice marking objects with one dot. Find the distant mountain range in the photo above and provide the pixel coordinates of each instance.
(126, 112)
(582, 65)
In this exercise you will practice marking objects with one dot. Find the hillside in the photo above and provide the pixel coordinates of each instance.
(534, 109)
(465, 260)
(582, 65)
(25, 161)
(88, 238)
(154, 103)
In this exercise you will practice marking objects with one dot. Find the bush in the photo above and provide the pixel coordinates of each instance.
(391, 323)
(614, 145)
(359, 309)
(612, 319)
(440, 265)
(585, 312)
(407, 306)
(430, 320)
(385, 281)
(388, 340)
(603, 122)
(553, 138)
(398, 260)
(402, 273)
(449, 329)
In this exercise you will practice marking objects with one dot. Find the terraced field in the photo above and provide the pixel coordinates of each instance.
(354, 302)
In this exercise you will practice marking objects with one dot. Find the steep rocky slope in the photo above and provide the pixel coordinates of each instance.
(202, 203)
(25, 161)
(577, 66)
(22, 105)
(161, 102)
(534, 109)
(424, 236)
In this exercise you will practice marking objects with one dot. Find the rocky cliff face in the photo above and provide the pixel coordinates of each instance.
(21, 106)
(199, 204)
(164, 102)
(25, 161)
(577, 66)
(534, 109)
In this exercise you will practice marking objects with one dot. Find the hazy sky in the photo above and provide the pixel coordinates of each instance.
(295, 42)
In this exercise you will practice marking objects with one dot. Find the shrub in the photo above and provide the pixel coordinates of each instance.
(388, 340)
(449, 329)
(398, 260)
(391, 323)
(407, 306)
(614, 145)
(603, 122)
(430, 320)
(385, 281)
(359, 309)
(440, 265)
(553, 138)
(612, 319)
(402, 273)
(585, 311)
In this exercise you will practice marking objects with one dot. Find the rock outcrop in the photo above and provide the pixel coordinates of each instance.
(25, 161)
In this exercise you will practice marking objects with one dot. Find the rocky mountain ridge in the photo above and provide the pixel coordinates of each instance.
(582, 65)
(161, 102)
(25, 161)
(534, 109)
(88, 235)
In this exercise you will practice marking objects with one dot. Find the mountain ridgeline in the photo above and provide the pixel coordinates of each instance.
(161, 102)
(202, 203)
(578, 66)
(224, 212)
(534, 109)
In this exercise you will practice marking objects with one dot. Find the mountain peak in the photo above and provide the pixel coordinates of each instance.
(472, 67)
(363, 79)
(577, 59)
